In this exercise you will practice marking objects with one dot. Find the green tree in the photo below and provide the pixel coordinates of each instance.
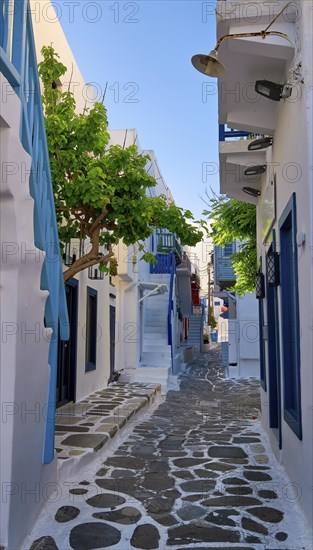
(100, 190)
(231, 219)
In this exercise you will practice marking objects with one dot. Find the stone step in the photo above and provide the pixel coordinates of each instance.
(156, 311)
(156, 364)
(160, 327)
(155, 374)
(157, 298)
(164, 350)
(133, 399)
(158, 306)
(162, 338)
(156, 321)
(160, 331)
(155, 357)
(156, 326)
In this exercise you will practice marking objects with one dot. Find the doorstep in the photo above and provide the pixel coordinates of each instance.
(83, 429)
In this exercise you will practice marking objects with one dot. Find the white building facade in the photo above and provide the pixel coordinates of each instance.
(280, 184)
(33, 303)
(78, 374)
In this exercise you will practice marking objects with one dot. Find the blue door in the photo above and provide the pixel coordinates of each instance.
(291, 359)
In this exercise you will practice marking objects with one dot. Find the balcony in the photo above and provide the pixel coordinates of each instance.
(230, 133)
(234, 158)
(168, 243)
(250, 59)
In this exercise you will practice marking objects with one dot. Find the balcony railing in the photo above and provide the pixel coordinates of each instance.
(167, 243)
(19, 66)
(228, 133)
(163, 264)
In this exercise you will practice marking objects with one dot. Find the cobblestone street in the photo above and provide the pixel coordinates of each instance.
(194, 473)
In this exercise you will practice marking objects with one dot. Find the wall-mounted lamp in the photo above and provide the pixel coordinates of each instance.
(255, 170)
(273, 91)
(94, 272)
(251, 191)
(272, 268)
(259, 286)
(261, 143)
(211, 66)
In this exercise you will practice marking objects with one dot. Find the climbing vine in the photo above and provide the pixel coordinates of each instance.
(231, 219)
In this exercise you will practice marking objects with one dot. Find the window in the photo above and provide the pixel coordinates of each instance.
(91, 329)
(228, 250)
(290, 317)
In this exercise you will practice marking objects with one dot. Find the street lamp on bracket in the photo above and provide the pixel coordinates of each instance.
(210, 65)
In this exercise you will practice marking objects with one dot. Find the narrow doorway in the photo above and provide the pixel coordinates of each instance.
(66, 371)
(274, 381)
(112, 341)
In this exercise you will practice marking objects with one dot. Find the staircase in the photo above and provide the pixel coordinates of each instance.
(195, 332)
(156, 359)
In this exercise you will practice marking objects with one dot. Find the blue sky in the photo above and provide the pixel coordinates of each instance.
(143, 50)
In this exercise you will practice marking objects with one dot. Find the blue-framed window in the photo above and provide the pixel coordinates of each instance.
(290, 316)
(91, 329)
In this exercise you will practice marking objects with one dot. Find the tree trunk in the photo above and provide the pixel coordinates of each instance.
(90, 259)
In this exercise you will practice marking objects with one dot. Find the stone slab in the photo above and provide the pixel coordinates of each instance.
(92, 441)
(219, 451)
(89, 536)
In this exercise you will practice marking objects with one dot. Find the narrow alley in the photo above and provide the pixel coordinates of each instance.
(197, 472)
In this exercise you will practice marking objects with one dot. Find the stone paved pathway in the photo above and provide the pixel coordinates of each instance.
(196, 473)
(85, 427)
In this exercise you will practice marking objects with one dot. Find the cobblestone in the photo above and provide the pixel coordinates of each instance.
(222, 493)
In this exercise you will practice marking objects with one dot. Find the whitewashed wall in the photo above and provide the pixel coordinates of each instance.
(292, 151)
(25, 342)
(48, 30)
(89, 382)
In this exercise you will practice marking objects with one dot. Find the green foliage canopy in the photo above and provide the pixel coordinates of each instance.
(100, 189)
(231, 219)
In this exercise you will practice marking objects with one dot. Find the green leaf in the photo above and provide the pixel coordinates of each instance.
(231, 219)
